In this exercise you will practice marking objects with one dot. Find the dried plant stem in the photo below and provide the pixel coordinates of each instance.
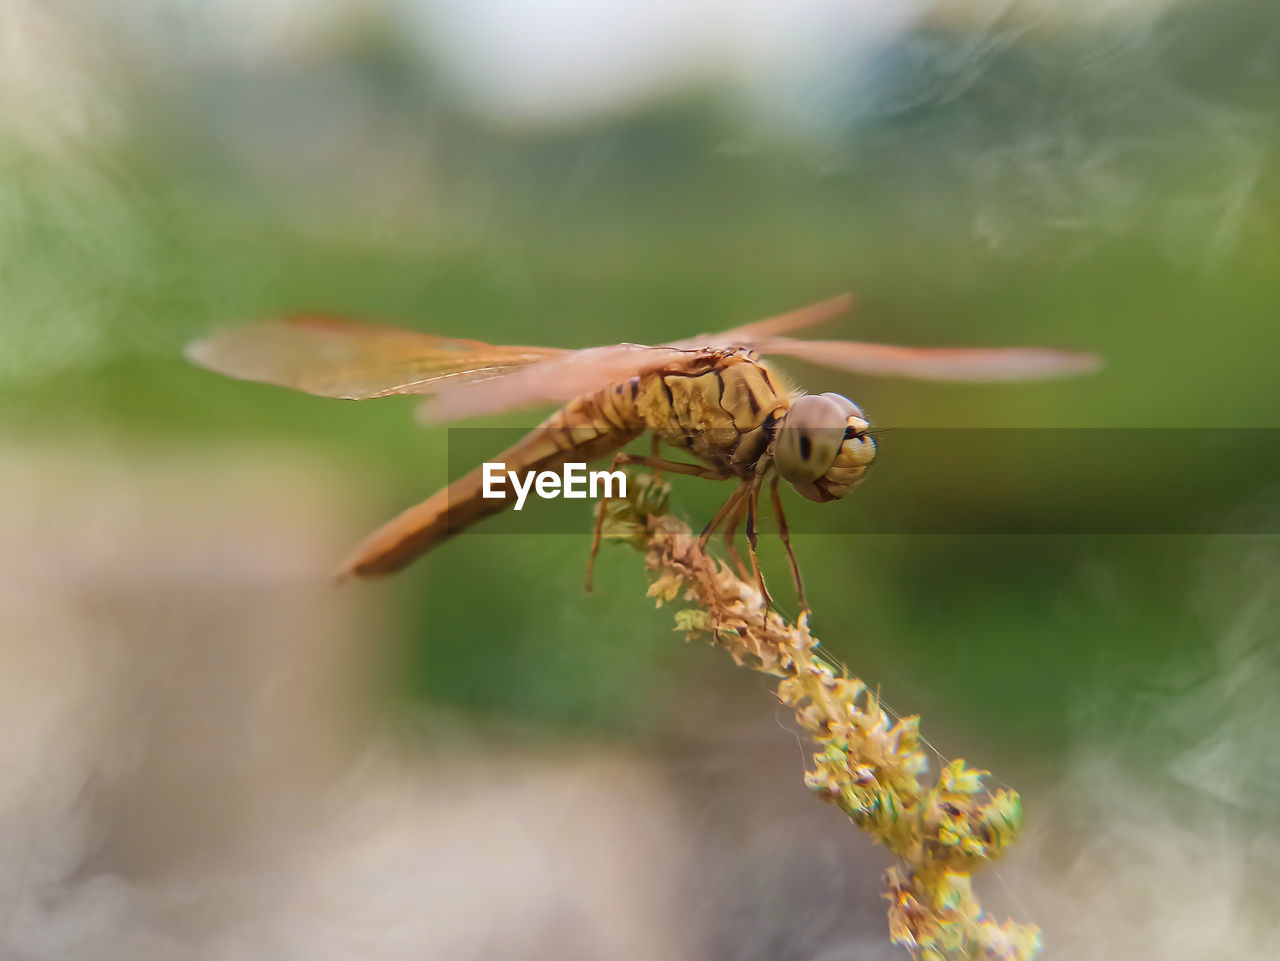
(871, 767)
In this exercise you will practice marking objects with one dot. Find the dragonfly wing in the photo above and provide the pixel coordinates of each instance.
(935, 363)
(579, 372)
(555, 380)
(749, 334)
(337, 358)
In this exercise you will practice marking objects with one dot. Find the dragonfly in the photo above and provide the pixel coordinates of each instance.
(711, 397)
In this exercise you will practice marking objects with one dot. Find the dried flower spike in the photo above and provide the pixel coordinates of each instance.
(870, 766)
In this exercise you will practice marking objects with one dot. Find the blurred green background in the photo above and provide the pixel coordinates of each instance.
(1103, 180)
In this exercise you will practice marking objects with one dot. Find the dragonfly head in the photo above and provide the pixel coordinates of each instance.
(822, 446)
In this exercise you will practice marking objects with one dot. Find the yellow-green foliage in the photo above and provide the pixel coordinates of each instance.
(871, 767)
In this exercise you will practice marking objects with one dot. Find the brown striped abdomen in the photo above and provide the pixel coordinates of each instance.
(584, 430)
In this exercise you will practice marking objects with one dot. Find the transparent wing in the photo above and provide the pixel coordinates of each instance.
(467, 378)
(338, 358)
(750, 334)
(574, 373)
(553, 381)
(935, 363)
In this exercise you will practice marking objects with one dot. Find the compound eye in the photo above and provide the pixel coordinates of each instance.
(809, 437)
(849, 407)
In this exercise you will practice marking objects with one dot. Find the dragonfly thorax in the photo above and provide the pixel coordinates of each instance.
(822, 446)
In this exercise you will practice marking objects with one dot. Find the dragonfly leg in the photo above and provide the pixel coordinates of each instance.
(657, 471)
(730, 539)
(599, 530)
(658, 464)
(731, 506)
(661, 464)
(753, 497)
(785, 533)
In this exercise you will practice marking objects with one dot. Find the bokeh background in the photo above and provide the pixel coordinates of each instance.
(209, 752)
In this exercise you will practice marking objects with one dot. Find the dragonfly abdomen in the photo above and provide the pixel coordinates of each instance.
(585, 429)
